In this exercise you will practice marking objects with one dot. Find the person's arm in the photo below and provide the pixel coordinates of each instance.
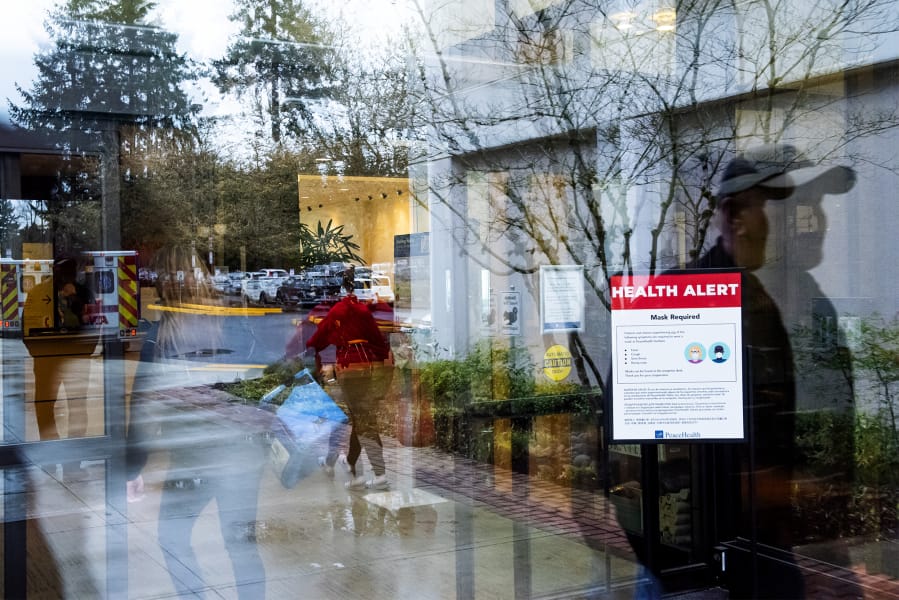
(324, 334)
(320, 339)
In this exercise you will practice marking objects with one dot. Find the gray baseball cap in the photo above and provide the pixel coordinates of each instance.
(779, 169)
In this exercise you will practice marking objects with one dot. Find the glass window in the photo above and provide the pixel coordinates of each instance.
(335, 295)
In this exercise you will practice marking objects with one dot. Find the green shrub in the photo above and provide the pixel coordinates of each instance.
(251, 391)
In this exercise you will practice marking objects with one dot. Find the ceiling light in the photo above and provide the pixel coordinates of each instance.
(665, 19)
(623, 20)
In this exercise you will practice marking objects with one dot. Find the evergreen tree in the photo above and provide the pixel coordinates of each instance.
(9, 225)
(109, 81)
(107, 67)
(282, 56)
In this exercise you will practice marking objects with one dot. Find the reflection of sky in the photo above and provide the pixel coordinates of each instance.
(202, 26)
(23, 213)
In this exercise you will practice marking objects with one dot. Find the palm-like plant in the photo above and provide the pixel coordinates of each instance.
(326, 244)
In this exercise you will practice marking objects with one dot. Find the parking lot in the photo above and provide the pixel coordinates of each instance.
(275, 287)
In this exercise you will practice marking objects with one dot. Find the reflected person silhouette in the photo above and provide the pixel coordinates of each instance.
(825, 378)
(758, 476)
(211, 455)
(364, 374)
(69, 367)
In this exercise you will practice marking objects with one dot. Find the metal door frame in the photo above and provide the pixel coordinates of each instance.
(109, 447)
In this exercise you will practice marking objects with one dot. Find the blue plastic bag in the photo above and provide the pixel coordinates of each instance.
(302, 428)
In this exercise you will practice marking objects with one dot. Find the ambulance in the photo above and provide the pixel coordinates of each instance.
(111, 276)
(17, 278)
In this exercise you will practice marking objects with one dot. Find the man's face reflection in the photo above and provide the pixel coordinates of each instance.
(747, 228)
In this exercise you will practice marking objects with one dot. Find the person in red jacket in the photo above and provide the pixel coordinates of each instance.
(364, 373)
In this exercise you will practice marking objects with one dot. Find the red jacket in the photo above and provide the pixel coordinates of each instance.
(347, 321)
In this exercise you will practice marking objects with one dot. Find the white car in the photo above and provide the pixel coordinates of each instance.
(361, 289)
(377, 288)
(278, 273)
(381, 288)
(260, 288)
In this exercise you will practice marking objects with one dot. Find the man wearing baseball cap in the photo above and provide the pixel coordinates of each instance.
(753, 479)
(768, 172)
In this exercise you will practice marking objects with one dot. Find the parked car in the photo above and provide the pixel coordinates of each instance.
(146, 277)
(374, 289)
(296, 290)
(259, 288)
(279, 273)
(220, 282)
(381, 289)
(325, 286)
(361, 289)
(232, 287)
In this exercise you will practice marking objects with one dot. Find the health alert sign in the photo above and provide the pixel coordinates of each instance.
(677, 361)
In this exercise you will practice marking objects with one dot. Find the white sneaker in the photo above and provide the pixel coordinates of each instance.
(378, 483)
(356, 483)
(341, 460)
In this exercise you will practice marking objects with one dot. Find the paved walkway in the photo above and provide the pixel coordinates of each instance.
(449, 527)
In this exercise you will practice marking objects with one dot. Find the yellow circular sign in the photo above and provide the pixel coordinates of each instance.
(557, 363)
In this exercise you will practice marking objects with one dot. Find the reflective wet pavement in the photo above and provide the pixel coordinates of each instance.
(448, 527)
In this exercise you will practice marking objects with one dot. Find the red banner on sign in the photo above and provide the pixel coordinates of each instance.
(682, 290)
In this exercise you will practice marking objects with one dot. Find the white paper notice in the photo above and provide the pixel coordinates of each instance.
(677, 357)
(562, 298)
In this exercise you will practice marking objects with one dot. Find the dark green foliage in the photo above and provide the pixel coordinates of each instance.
(841, 495)
(251, 391)
(491, 382)
(326, 244)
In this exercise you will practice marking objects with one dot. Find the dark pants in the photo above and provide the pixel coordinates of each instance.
(363, 390)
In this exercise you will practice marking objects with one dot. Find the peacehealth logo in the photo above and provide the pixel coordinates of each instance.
(662, 434)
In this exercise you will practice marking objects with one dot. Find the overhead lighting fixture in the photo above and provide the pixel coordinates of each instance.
(623, 20)
(665, 19)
